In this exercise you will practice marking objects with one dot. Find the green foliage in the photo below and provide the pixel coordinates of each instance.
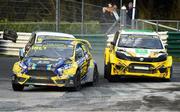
(66, 27)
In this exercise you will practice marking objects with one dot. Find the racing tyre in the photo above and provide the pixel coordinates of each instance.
(77, 81)
(105, 71)
(17, 87)
(108, 73)
(171, 74)
(95, 77)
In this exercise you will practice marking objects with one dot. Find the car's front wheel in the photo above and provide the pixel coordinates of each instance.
(77, 81)
(17, 87)
(109, 77)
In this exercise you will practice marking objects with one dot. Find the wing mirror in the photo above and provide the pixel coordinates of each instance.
(113, 43)
(166, 46)
(10, 35)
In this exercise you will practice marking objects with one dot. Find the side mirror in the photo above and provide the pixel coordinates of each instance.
(166, 46)
(21, 53)
(10, 35)
(113, 43)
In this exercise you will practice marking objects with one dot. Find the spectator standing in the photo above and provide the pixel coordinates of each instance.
(129, 13)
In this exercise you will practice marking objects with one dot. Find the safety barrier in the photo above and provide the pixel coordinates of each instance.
(7, 47)
(98, 43)
(173, 42)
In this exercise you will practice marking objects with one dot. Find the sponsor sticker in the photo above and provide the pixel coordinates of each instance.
(141, 51)
(141, 68)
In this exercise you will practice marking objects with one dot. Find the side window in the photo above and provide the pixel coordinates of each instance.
(79, 52)
(86, 52)
(86, 49)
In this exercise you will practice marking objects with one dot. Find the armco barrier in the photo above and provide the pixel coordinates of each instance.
(173, 42)
(98, 43)
(7, 47)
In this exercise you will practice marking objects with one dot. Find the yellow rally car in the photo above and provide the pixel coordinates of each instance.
(63, 62)
(137, 53)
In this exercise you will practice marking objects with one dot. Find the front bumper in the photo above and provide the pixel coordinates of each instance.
(142, 69)
(59, 81)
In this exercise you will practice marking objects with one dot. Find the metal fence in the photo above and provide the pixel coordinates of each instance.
(33, 15)
(158, 25)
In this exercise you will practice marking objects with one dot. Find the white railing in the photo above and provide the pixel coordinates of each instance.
(7, 47)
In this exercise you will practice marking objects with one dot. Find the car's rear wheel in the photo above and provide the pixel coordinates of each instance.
(105, 71)
(77, 81)
(95, 77)
(17, 87)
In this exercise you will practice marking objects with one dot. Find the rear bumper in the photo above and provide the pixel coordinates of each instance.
(24, 79)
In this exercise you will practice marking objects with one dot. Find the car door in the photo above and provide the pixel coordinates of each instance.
(81, 59)
(87, 55)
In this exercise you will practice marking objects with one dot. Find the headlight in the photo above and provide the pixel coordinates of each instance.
(23, 66)
(121, 55)
(162, 57)
(60, 71)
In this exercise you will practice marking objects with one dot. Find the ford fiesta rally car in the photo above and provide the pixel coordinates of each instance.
(40, 36)
(137, 53)
(62, 63)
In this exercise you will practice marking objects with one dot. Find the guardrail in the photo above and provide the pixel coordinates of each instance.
(170, 25)
(7, 47)
(173, 42)
(98, 43)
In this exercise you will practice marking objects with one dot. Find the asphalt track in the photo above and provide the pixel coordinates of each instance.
(125, 95)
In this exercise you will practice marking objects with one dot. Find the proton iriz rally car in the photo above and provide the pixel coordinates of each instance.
(62, 63)
(137, 53)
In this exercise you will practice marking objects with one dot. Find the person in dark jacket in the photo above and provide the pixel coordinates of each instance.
(129, 13)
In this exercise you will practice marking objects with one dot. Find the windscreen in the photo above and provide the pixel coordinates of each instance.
(41, 38)
(140, 41)
(52, 49)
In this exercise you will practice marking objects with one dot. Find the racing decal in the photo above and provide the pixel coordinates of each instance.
(39, 40)
(80, 61)
(39, 47)
(43, 62)
(141, 51)
(48, 67)
(84, 77)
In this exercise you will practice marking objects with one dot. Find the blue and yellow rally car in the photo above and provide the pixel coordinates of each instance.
(63, 63)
